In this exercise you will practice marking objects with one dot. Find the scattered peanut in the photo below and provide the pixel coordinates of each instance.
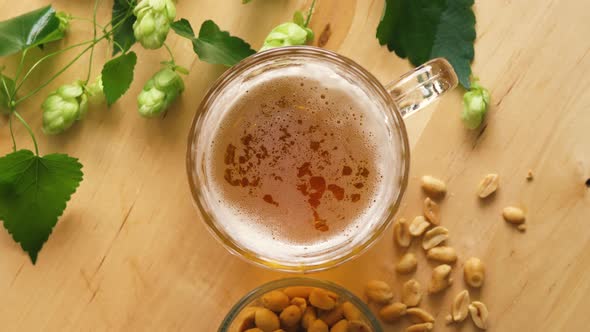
(290, 316)
(434, 237)
(474, 272)
(298, 291)
(401, 233)
(275, 300)
(266, 320)
(332, 316)
(433, 187)
(309, 316)
(299, 302)
(488, 185)
(460, 308)
(513, 215)
(319, 298)
(318, 326)
(521, 227)
(441, 278)
(407, 263)
(341, 326)
(479, 314)
(392, 312)
(420, 327)
(350, 311)
(529, 175)
(419, 315)
(411, 294)
(379, 292)
(431, 211)
(442, 254)
(358, 326)
(418, 226)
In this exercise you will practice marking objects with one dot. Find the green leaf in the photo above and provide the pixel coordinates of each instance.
(33, 195)
(246, 1)
(117, 75)
(28, 30)
(123, 36)
(219, 47)
(183, 28)
(425, 29)
(213, 45)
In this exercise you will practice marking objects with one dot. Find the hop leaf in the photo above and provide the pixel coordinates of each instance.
(29, 30)
(117, 75)
(34, 191)
(123, 37)
(63, 107)
(213, 44)
(153, 22)
(159, 92)
(426, 29)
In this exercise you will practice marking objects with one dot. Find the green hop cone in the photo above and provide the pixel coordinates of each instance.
(287, 34)
(5, 83)
(159, 92)
(476, 102)
(153, 22)
(63, 107)
(95, 91)
(64, 21)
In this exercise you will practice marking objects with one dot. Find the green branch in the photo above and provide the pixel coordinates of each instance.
(20, 118)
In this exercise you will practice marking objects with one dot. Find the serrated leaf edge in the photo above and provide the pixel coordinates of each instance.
(65, 204)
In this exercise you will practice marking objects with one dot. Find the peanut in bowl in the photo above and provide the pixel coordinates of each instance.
(300, 304)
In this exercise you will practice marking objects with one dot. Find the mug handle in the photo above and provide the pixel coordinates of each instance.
(420, 87)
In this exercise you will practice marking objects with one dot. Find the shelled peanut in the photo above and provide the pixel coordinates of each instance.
(433, 237)
(380, 294)
(301, 308)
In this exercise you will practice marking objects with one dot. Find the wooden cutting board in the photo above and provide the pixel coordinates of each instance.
(131, 253)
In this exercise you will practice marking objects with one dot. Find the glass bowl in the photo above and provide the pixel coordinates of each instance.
(230, 322)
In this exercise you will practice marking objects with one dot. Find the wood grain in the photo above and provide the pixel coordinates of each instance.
(131, 254)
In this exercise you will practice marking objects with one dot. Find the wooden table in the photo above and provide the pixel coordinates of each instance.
(131, 253)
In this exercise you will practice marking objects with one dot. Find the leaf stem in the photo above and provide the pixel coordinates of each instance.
(10, 97)
(28, 129)
(87, 20)
(92, 42)
(37, 89)
(171, 55)
(309, 13)
(115, 43)
(8, 92)
(33, 67)
(96, 2)
(20, 66)
(11, 132)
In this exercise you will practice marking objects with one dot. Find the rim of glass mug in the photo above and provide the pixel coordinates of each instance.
(298, 281)
(413, 91)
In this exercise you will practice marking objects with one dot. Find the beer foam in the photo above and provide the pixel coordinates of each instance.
(300, 163)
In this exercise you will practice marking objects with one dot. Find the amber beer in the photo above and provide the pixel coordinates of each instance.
(296, 161)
